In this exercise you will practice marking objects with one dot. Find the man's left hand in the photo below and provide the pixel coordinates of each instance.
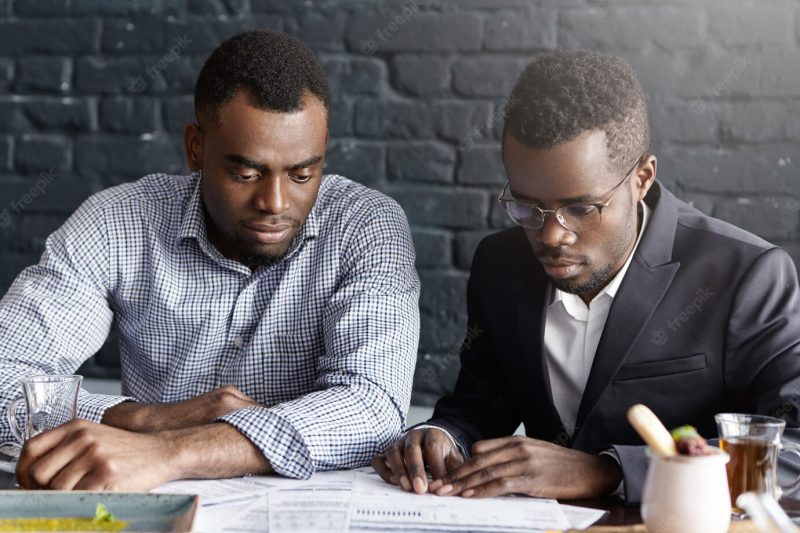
(521, 465)
(82, 455)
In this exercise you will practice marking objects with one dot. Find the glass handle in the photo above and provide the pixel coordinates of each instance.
(11, 418)
(790, 447)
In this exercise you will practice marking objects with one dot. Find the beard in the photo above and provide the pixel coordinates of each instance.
(602, 275)
(256, 255)
(598, 279)
(254, 262)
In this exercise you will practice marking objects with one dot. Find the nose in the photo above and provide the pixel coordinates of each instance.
(271, 195)
(552, 234)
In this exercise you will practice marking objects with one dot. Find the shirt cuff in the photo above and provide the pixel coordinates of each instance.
(92, 407)
(276, 437)
(620, 490)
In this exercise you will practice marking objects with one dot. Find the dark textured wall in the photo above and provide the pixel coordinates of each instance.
(96, 92)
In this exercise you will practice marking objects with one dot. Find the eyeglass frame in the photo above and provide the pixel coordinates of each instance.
(598, 205)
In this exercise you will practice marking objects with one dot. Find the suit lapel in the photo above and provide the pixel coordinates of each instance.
(532, 290)
(647, 281)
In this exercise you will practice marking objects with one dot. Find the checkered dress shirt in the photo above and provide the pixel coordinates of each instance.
(326, 339)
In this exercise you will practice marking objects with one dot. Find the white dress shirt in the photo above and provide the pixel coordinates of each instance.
(571, 334)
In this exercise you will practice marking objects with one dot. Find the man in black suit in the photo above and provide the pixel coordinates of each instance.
(610, 292)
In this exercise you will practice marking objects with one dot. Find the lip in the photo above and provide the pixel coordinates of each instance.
(268, 234)
(560, 269)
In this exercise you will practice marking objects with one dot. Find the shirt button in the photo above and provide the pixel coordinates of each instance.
(238, 342)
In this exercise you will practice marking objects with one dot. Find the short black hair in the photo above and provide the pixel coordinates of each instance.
(274, 68)
(563, 93)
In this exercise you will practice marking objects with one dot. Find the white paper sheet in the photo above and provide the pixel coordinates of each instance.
(582, 517)
(358, 500)
(377, 504)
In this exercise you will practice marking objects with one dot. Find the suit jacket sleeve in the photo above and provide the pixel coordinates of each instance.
(762, 357)
(479, 407)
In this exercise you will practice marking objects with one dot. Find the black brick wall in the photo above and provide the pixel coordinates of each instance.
(96, 92)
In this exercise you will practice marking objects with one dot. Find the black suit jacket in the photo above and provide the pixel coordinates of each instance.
(706, 320)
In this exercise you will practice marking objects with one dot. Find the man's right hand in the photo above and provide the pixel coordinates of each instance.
(203, 409)
(405, 462)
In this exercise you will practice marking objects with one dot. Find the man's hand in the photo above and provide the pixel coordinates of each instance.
(81, 455)
(203, 409)
(405, 461)
(521, 465)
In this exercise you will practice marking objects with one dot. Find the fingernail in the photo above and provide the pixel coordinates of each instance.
(435, 485)
(445, 490)
(404, 483)
(467, 493)
(419, 486)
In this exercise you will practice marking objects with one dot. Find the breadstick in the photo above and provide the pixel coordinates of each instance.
(652, 431)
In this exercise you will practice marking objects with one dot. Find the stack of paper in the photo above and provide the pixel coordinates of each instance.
(358, 500)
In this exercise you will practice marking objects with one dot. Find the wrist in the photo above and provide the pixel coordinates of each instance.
(610, 475)
(176, 453)
(130, 416)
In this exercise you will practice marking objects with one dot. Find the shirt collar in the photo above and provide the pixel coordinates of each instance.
(193, 224)
(575, 305)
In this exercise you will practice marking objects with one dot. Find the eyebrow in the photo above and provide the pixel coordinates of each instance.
(573, 200)
(249, 163)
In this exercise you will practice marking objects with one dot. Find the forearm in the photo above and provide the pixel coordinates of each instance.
(197, 411)
(336, 428)
(214, 451)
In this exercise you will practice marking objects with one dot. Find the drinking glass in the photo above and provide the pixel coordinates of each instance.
(50, 401)
(754, 443)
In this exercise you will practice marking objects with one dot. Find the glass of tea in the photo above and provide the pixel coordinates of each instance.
(753, 443)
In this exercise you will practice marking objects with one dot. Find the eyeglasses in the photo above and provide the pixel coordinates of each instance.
(574, 217)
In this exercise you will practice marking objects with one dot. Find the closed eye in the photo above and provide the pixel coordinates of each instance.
(580, 210)
(301, 178)
(245, 178)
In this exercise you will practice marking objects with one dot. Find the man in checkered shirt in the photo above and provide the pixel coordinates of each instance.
(267, 314)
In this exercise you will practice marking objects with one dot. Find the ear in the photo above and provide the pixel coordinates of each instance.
(645, 177)
(193, 146)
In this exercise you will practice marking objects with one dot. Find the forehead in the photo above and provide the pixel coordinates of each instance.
(269, 135)
(575, 170)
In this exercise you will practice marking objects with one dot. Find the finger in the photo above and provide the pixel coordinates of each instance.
(94, 481)
(486, 446)
(498, 487)
(489, 474)
(398, 466)
(69, 477)
(381, 466)
(415, 465)
(435, 453)
(476, 464)
(48, 465)
(36, 448)
(452, 462)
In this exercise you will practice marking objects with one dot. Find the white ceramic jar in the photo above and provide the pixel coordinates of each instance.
(685, 494)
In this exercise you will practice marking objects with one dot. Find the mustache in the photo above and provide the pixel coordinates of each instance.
(556, 254)
(272, 221)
